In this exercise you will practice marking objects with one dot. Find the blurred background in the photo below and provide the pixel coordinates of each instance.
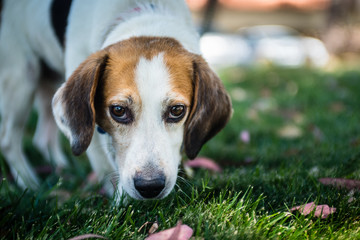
(292, 70)
(319, 33)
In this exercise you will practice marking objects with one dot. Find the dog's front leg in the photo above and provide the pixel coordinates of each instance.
(102, 161)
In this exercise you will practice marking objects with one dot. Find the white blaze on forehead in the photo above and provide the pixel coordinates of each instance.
(153, 82)
(152, 146)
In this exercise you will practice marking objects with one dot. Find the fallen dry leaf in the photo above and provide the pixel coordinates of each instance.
(292, 115)
(252, 114)
(317, 133)
(355, 142)
(245, 136)
(154, 227)
(202, 162)
(86, 236)
(322, 211)
(180, 232)
(337, 107)
(341, 183)
(290, 132)
(238, 94)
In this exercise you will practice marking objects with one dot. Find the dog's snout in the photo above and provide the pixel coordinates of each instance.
(149, 188)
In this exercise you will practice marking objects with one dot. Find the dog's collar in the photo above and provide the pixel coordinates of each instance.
(100, 130)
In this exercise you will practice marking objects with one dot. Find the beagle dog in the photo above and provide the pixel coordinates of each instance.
(137, 92)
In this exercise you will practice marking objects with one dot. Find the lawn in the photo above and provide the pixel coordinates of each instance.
(304, 124)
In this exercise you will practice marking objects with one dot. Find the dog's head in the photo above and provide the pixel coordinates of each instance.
(152, 97)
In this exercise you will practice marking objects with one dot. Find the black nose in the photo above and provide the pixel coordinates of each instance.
(149, 188)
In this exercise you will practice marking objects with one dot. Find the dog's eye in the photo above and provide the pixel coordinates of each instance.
(176, 113)
(120, 114)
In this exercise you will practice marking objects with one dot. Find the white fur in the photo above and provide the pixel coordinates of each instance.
(151, 141)
(168, 18)
(155, 23)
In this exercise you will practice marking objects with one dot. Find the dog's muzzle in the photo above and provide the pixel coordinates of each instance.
(149, 186)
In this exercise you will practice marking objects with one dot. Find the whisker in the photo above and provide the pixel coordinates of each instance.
(185, 181)
(113, 177)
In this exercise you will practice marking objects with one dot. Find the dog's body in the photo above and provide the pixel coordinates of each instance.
(132, 69)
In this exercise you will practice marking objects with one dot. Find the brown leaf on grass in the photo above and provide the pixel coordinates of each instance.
(245, 136)
(337, 107)
(322, 211)
(291, 152)
(154, 227)
(291, 115)
(317, 133)
(355, 142)
(87, 236)
(202, 162)
(180, 232)
(341, 183)
(290, 132)
(238, 94)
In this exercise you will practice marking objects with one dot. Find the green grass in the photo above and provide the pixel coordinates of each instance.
(260, 182)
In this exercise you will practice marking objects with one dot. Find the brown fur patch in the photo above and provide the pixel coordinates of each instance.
(118, 83)
(181, 72)
(119, 77)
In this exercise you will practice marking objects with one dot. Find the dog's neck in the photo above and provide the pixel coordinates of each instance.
(152, 20)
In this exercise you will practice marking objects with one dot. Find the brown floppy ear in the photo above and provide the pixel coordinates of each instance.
(211, 108)
(73, 103)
